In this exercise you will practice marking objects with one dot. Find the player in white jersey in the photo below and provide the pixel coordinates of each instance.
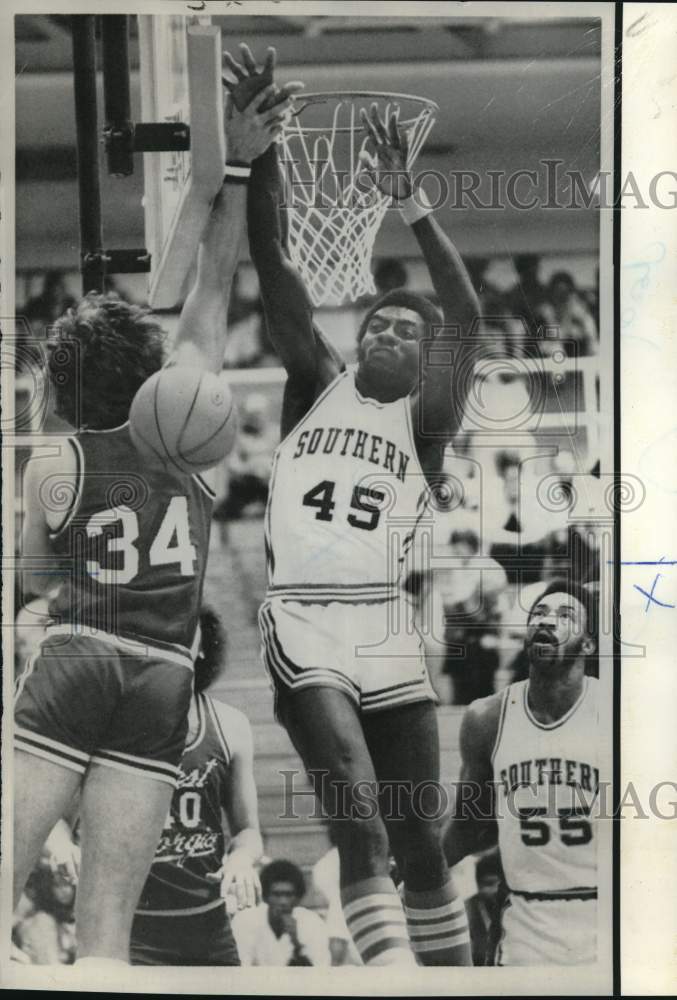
(349, 483)
(530, 761)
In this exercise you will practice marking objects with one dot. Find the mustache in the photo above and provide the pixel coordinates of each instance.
(543, 635)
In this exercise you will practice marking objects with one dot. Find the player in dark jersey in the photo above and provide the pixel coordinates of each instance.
(342, 727)
(181, 918)
(102, 708)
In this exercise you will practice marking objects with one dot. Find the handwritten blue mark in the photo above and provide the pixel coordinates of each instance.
(650, 596)
(654, 254)
(644, 562)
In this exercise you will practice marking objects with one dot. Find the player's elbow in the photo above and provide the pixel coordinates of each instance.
(465, 314)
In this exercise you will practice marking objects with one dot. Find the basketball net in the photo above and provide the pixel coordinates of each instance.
(334, 210)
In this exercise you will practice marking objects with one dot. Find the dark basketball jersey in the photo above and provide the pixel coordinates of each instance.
(134, 543)
(193, 841)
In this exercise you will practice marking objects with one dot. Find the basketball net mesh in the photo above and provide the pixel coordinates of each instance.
(334, 210)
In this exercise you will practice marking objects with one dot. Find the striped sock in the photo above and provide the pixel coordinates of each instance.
(438, 926)
(376, 921)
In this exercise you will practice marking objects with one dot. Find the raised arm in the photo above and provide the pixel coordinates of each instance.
(445, 376)
(288, 310)
(201, 335)
(473, 827)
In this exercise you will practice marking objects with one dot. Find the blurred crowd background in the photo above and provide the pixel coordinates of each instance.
(522, 486)
(492, 543)
(299, 921)
(496, 535)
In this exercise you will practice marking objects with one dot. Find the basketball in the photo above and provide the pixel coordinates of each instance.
(184, 418)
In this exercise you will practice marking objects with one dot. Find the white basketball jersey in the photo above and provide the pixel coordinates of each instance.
(346, 493)
(547, 780)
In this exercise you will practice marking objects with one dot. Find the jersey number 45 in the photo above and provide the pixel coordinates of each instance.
(322, 497)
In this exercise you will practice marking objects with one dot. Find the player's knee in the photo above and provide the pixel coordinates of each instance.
(362, 843)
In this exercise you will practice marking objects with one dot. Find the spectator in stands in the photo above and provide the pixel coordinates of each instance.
(465, 611)
(483, 909)
(389, 274)
(39, 313)
(565, 309)
(248, 345)
(44, 309)
(280, 931)
(44, 922)
(524, 300)
(250, 461)
(520, 526)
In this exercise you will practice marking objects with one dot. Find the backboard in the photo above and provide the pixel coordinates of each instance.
(180, 66)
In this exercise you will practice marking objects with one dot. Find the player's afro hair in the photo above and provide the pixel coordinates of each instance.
(283, 871)
(428, 312)
(98, 355)
(585, 596)
(211, 658)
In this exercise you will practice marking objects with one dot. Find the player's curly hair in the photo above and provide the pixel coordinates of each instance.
(282, 871)
(98, 355)
(211, 659)
(428, 312)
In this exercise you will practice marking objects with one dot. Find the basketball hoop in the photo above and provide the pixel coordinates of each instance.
(334, 211)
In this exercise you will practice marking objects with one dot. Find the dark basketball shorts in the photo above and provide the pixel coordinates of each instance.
(84, 699)
(198, 939)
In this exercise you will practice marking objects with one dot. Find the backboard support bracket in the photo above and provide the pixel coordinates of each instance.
(122, 139)
(180, 62)
(118, 261)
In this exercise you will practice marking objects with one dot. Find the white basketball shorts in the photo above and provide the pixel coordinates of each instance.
(371, 651)
(548, 932)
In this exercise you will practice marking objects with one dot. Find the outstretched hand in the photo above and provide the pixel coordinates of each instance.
(256, 107)
(250, 132)
(385, 154)
(251, 79)
(238, 879)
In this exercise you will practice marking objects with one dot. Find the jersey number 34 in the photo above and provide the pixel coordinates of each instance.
(171, 543)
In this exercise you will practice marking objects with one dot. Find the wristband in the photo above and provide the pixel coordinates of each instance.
(415, 207)
(237, 173)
